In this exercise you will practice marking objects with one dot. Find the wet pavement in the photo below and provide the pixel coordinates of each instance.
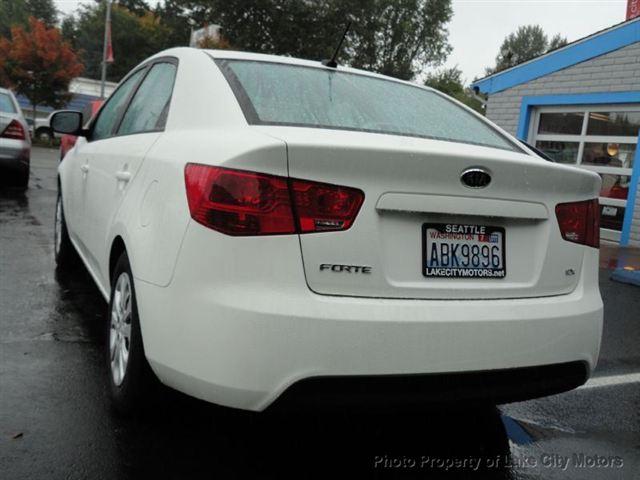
(55, 420)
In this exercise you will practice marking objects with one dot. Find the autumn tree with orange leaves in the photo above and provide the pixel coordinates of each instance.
(39, 64)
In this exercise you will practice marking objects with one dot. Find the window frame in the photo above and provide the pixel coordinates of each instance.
(252, 117)
(583, 138)
(146, 67)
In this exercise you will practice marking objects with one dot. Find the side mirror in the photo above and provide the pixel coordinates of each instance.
(67, 121)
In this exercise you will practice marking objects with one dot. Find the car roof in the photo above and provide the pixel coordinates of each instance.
(262, 57)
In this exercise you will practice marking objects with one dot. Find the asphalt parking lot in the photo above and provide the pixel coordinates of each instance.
(55, 420)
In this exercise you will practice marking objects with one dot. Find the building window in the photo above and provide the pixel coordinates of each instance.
(599, 138)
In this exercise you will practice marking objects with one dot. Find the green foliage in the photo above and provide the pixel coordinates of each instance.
(527, 42)
(17, 12)
(37, 63)
(175, 19)
(556, 42)
(449, 81)
(43, 10)
(134, 37)
(394, 37)
(139, 7)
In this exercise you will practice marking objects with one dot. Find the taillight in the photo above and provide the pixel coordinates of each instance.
(580, 222)
(238, 202)
(322, 207)
(14, 130)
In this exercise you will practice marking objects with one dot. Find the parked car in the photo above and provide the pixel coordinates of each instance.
(272, 231)
(15, 144)
(67, 142)
(42, 129)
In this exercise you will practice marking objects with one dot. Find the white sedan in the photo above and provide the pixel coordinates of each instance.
(273, 231)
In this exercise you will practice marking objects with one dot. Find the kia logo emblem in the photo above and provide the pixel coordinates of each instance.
(475, 178)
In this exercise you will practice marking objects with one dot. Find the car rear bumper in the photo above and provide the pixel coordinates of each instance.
(14, 153)
(242, 337)
(382, 392)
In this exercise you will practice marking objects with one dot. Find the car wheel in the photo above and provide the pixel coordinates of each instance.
(64, 251)
(130, 376)
(44, 135)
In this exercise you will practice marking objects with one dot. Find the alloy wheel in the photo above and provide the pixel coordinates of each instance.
(57, 229)
(120, 329)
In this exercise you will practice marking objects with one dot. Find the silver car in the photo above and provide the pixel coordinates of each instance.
(15, 143)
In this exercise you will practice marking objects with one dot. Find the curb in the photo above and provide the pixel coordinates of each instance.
(626, 276)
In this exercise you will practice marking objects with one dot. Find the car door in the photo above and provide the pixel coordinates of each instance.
(115, 159)
(76, 193)
(75, 165)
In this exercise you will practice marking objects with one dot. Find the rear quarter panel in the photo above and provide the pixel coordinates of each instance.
(154, 233)
(205, 125)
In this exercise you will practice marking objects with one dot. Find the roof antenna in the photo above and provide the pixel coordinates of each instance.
(332, 62)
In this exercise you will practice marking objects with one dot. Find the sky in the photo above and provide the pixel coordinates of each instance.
(478, 27)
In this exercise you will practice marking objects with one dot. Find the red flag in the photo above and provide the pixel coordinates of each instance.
(109, 54)
(633, 9)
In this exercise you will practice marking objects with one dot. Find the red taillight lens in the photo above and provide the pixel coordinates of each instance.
(238, 202)
(14, 130)
(580, 222)
(323, 207)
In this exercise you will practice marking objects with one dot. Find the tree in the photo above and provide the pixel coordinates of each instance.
(38, 64)
(394, 37)
(527, 42)
(213, 43)
(139, 7)
(134, 37)
(449, 81)
(17, 12)
(44, 10)
(175, 18)
(556, 41)
(399, 37)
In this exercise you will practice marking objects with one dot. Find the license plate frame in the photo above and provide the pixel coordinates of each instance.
(469, 272)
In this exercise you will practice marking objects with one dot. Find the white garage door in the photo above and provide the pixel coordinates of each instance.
(599, 138)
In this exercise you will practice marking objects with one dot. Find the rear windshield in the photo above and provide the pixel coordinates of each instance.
(282, 94)
(6, 104)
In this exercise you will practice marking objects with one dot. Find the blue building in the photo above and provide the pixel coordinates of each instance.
(581, 105)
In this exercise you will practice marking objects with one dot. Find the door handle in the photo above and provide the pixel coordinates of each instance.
(123, 176)
(84, 168)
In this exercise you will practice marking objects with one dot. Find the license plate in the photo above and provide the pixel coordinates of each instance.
(463, 251)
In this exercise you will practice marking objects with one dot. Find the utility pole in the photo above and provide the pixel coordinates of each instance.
(107, 30)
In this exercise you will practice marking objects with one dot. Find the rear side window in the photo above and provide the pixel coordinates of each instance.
(293, 95)
(6, 104)
(103, 128)
(150, 105)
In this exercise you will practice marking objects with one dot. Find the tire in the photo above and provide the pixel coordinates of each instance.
(65, 253)
(44, 134)
(130, 378)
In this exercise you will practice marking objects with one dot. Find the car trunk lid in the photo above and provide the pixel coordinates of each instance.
(412, 188)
